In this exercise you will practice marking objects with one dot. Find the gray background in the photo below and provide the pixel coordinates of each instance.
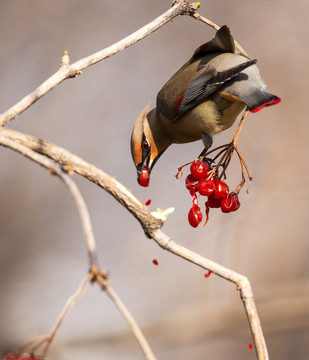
(43, 253)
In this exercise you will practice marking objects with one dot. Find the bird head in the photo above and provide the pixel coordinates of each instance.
(148, 142)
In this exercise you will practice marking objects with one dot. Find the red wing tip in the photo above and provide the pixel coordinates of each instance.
(274, 101)
(178, 102)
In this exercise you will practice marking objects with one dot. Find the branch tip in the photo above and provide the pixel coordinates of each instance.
(65, 60)
(195, 6)
(185, 7)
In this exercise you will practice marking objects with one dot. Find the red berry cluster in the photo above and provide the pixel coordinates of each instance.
(201, 181)
(23, 356)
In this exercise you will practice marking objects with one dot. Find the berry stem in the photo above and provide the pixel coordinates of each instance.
(213, 150)
(225, 155)
(39, 341)
(68, 306)
(180, 170)
(226, 158)
(240, 125)
(244, 166)
(223, 151)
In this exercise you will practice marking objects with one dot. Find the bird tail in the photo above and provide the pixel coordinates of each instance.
(256, 100)
(260, 99)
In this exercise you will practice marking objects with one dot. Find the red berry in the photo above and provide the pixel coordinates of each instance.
(237, 206)
(191, 184)
(195, 216)
(213, 202)
(208, 274)
(148, 202)
(10, 356)
(155, 262)
(205, 187)
(199, 169)
(230, 203)
(144, 177)
(250, 346)
(194, 200)
(207, 208)
(221, 189)
(26, 356)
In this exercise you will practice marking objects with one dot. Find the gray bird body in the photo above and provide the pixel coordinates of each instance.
(203, 97)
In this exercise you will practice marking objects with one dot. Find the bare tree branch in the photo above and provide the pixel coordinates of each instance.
(67, 308)
(53, 168)
(37, 150)
(92, 173)
(216, 27)
(67, 71)
(242, 283)
(95, 273)
(44, 341)
(150, 222)
(101, 280)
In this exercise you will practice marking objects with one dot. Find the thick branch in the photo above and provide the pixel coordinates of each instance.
(67, 71)
(151, 222)
(151, 225)
(54, 169)
(80, 166)
(95, 274)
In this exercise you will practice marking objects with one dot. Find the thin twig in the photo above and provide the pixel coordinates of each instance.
(150, 224)
(68, 71)
(30, 146)
(242, 283)
(46, 340)
(131, 322)
(127, 316)
(68, 306)
(38, 341)
(197, 16)
(243, 176)
(240, 126)
(85, 217)
(92, 173)
(226, 162)
(51, 166)
(243, 163)
(225, 148)
(225, 152)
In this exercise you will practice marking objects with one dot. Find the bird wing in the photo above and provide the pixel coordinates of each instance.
(172, 104)
(209, 81)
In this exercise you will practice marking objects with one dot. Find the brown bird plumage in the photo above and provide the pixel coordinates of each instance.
(202, 98)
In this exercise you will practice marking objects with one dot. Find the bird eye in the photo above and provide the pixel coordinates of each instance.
(145, 145)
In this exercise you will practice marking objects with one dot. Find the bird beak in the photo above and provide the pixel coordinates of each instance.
(143, 172)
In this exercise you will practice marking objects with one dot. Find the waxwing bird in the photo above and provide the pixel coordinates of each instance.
(202, 98)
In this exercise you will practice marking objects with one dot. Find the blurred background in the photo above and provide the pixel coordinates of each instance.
(43, 253)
